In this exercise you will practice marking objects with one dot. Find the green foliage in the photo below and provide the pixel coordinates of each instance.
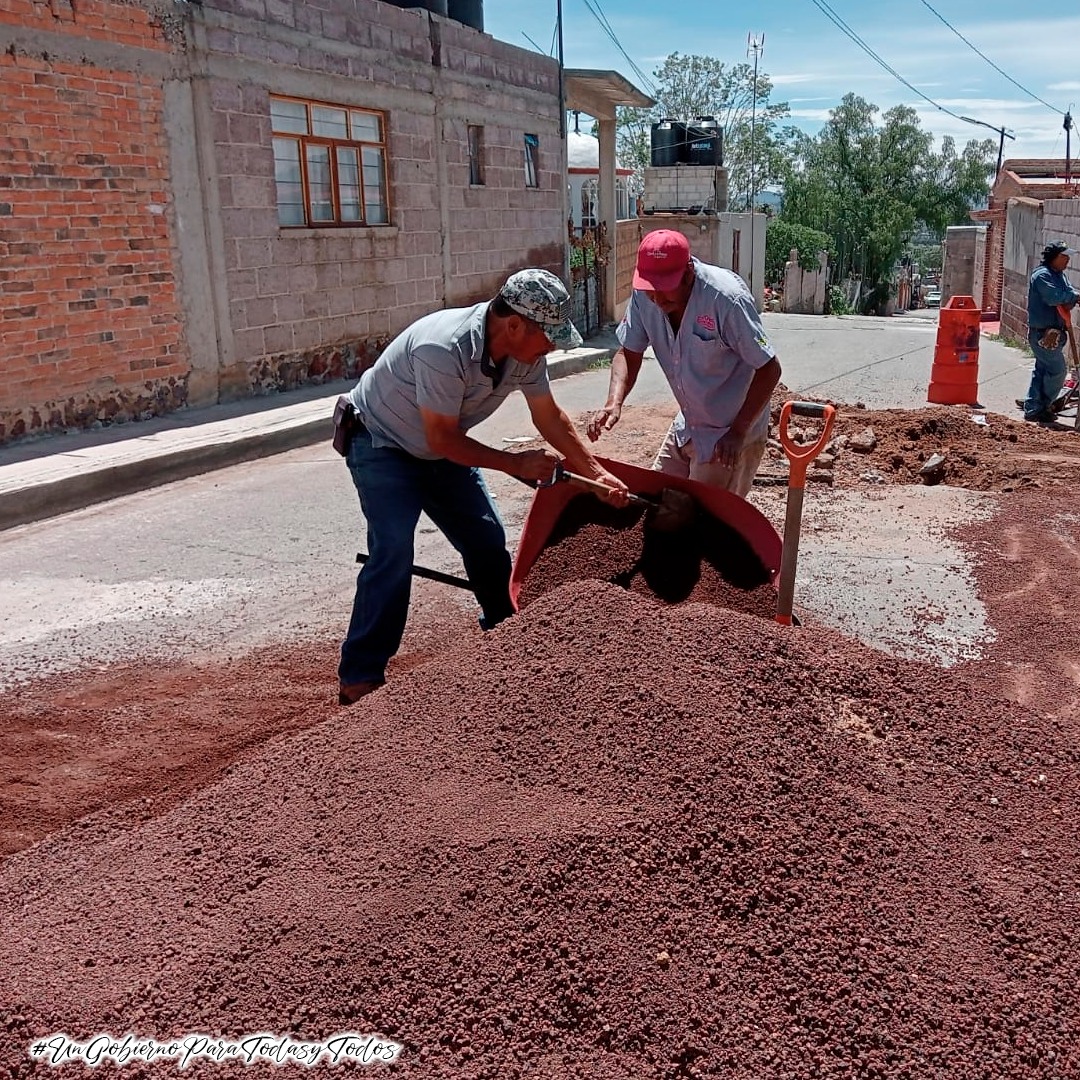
(837, 302)
(871, 184)
(690, 86)
(927, 257)
(781, 236)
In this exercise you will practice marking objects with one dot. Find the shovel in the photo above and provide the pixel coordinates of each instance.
(799, 458)
(670, 511)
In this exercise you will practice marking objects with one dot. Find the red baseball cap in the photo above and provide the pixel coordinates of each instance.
(662, 260)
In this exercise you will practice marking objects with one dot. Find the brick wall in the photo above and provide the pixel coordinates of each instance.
(143, 267)
(90, 329)
(995, 253)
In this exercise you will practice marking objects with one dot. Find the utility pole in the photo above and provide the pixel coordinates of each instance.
(562, 86)
(756, 46)
(1068, 148)
(1003, 134)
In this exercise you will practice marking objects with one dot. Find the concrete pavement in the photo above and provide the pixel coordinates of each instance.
(881, 362)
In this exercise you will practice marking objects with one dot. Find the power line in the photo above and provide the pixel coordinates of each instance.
(843, 27)
(975, 49)
(598, 14)
(531, 42)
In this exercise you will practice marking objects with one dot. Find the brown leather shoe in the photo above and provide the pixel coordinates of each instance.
(351, 693)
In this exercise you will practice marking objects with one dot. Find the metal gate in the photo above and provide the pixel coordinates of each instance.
(589, 252)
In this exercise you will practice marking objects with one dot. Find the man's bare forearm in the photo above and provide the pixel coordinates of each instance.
(757, 397)
(625, 366)
(460, 448)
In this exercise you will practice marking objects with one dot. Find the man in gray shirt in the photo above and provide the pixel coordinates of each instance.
(705, 331)
(410, 452)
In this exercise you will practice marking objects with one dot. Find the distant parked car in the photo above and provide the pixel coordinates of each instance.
(933, 297)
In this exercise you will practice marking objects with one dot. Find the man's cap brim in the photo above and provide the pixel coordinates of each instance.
(564, 335)
(668, 282)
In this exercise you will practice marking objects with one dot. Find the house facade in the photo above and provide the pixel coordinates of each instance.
(207, 202)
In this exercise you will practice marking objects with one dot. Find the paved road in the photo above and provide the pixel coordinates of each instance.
(263, 551)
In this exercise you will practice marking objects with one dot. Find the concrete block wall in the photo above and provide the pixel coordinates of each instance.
(670, 186)
(90, 323)
(1030, 226)
(303, 304)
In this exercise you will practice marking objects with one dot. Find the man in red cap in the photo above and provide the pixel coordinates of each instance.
(704, 328)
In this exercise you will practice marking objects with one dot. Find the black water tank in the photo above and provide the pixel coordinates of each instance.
(436, 7)
(469, 12)
(705, 142)
(668, 143)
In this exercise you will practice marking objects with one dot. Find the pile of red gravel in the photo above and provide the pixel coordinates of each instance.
(611, 839)
(704, 561)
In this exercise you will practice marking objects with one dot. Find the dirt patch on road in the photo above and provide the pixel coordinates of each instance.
(612, 839)
(1002, 455)
(1026, 561)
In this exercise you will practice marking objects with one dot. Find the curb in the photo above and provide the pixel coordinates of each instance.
(152, 465)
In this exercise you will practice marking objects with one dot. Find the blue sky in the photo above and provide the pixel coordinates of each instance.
(812, 64)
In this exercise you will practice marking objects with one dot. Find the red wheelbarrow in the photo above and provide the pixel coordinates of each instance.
(549, 503)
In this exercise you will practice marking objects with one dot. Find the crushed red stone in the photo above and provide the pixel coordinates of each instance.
(1026, 562)
(611, 839)
(706, 561)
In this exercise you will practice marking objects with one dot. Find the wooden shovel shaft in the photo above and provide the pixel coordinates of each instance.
(789, 559)
(603, 489)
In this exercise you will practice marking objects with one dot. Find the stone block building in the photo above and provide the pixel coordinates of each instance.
(208, 201)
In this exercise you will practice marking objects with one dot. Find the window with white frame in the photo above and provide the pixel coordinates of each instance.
(590, 197)
(329, 164)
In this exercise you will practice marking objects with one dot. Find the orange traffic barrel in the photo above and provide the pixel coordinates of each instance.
(954, 378)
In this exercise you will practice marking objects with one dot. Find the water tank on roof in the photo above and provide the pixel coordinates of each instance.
(437, 7)
(667, 143)
(469, 12)
(705, 142)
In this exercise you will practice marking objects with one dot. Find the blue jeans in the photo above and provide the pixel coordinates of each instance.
(1048, 377)
(394, 489)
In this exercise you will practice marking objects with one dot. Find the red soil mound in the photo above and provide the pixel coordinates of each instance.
(611, 839)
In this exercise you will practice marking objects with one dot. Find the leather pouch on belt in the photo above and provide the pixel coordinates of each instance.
(346, 422)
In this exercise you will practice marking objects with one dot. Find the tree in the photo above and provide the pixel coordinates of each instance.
(870, 185)
(781, 236)
(691, 86)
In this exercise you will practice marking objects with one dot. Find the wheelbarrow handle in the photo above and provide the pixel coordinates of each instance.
(799, 457)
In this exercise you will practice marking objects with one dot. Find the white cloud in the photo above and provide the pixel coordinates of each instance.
(1064, 86)
(791, 80)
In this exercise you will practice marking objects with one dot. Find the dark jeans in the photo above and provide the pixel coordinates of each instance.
(394, 489)
(1047, 378)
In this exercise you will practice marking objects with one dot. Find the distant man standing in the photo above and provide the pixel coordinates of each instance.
(409, 452)
(1047, 288)
(704, 328)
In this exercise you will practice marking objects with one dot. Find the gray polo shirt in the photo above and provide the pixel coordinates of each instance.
(711, 361)
(439, 363)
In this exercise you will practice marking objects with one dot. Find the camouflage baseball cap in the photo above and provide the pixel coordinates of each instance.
(540, 296)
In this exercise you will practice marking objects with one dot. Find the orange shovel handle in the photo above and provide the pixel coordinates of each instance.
(799, 457)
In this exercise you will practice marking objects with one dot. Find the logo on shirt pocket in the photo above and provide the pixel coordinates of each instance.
(706, 322)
